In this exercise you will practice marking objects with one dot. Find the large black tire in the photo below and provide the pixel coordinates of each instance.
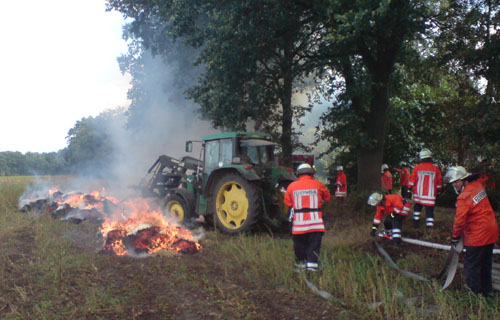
(236, 204)
(175, 206)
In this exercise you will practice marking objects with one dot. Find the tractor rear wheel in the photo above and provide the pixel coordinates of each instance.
(236, 204)
(177, 207)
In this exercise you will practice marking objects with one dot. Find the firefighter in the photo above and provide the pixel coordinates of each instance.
(425, 180)
(341, 183)
(395, 208)
(305, 196)
(386, 179)
(404, 179)
(475, 220)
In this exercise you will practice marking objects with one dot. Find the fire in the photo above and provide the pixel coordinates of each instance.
(132, 226)
(144, 229)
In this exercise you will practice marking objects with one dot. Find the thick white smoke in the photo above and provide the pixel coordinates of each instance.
(160, 125)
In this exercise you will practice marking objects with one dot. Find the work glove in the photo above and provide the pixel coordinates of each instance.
(454, 242)
(372, 233)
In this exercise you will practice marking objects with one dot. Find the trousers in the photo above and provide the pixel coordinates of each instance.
(307, 246)
(477, 267)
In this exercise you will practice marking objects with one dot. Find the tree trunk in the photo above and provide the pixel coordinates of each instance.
(369, 158)
(286, 103)
(287, 120)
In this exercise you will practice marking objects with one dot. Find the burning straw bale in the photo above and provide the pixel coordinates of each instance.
(149, 240)
(133, 226)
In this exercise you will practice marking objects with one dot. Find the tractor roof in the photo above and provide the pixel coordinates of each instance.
(237, 134)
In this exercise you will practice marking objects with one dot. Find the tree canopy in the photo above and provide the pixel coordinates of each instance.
(396, 76)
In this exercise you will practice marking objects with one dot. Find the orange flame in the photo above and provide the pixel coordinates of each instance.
(135, 223)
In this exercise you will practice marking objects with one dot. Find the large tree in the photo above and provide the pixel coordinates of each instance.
(255, 54)
(468, 44)
(365, 40)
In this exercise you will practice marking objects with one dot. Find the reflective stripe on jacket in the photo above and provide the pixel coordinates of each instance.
(475, 218)
(341, 183)
(302, 194)
(392, 203)
(425, 180)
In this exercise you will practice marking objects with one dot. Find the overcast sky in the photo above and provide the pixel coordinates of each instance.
(57, 65)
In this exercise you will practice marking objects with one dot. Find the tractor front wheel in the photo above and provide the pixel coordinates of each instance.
(177, 207)
(236, 204)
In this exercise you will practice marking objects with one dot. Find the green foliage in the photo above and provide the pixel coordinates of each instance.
(32, 163)
(399, 74)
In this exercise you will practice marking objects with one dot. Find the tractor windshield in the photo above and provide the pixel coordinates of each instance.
(256, 151)
(218, 153)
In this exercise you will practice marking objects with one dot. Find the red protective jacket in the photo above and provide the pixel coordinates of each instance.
(303, 194)
(405, 176)
(341, 183)
(475, 217)
(425, 180)
(392, 203)
(386, 180)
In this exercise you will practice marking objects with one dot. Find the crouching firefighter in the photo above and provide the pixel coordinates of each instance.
(395, 208)
(475, 220)
(306, 196)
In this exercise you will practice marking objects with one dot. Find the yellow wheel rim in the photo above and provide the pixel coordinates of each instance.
(175, 208)
(232, 205)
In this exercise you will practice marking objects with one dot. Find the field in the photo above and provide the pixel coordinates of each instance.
(51, 269)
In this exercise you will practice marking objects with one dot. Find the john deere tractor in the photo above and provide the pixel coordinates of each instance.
(236, 183)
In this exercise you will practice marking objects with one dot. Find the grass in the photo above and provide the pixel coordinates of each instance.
(51, 269)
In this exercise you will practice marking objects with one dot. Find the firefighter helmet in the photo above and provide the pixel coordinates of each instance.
(425, 153)
(340, 168)
(403, 164)
(375, 198)
(455, 173)
(384, 167)
(304, 168)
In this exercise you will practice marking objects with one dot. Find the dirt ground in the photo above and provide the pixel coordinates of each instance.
(207, 286)
(203, 285)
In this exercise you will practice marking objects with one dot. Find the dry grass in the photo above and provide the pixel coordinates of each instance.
(51, 270)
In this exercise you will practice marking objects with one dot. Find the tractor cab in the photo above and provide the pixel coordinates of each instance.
(240, 182)
(237, 148)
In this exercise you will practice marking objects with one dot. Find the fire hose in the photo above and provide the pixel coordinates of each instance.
(450, 265)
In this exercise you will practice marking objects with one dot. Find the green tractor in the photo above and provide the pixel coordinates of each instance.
(236, 183)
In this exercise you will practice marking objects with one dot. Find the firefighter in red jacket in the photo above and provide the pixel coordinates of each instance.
(305, 197)
(341, 183)
(475, 220)
(425, 180)
(404, 180)
(386, 179)
(395, 208)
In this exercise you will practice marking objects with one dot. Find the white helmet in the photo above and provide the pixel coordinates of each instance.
(304, 168)
(403, 164)
(455, 173)
(384, 167)
(425, 153)
(375, 198)
(340, 168)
